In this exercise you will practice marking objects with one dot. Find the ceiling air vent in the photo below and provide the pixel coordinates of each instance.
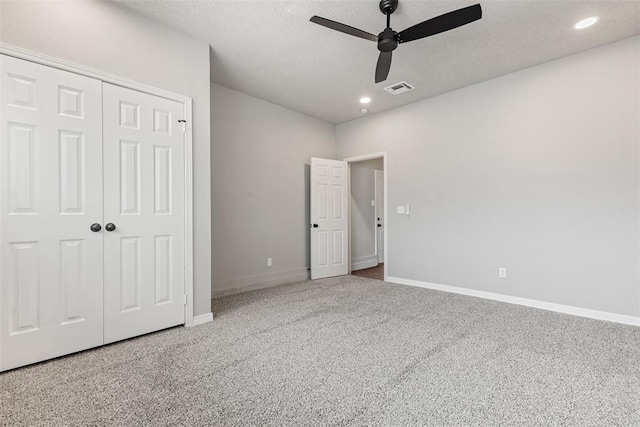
(399, 88)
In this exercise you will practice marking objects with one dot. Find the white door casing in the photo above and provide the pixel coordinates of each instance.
(329, 218)
(50, 194)
(379, 202)
(144, 198)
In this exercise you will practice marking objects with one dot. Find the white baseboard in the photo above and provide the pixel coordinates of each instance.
(560, 308)
(252, 283)
(364, 262)
(201, 319)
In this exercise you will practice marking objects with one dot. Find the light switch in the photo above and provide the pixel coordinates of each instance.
(407, 210)
(373, 203)
(401, 210)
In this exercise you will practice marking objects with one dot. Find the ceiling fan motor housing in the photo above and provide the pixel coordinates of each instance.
(387, 40)
(388, 6)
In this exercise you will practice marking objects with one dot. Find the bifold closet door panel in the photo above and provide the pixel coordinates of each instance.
(144, 200)
(50, 193)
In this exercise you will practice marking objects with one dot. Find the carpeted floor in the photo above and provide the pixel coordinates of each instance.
(345, 351)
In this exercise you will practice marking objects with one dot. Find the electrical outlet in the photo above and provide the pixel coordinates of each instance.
(269, 262)
(502, 273)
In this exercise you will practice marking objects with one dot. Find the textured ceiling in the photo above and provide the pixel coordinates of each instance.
(270, 50)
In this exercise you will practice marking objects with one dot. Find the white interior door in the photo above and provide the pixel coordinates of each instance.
(50, 194)
(329, 218)
(379, 195)
(144, 199)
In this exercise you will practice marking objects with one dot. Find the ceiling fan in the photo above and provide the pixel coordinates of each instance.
(388, 39)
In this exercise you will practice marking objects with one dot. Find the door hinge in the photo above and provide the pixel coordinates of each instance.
(184, 125)
(185, 299)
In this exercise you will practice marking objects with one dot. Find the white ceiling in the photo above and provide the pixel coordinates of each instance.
(270, 50)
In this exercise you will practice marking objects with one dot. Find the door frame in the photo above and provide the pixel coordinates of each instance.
(371, 156)
(187, 102)
(384, 204)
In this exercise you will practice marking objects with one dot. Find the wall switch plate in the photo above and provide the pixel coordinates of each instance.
(401, 210)
(269, 262)
(502, 273)
(373, 203)
(407, 210)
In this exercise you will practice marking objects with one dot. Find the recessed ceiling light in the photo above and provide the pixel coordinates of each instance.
(365, 100)
(586, 23)
(364, 111)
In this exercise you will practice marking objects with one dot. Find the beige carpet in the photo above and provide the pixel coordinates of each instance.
(345, 351)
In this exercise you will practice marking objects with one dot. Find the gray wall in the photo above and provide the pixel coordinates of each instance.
(260, 184)
(537, 171)
(109, 38)
(363, 215)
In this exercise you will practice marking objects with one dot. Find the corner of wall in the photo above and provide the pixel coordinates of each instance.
(335, 141)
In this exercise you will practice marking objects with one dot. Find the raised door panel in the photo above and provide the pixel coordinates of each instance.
(129, 177)
(70, 101)
(24, 288)
(50, 194)
(144, 198)
(22, 142)
(163, 265)
(162, 180)
(131, 274)
(22, 91)
(73, 277)
(72, 172)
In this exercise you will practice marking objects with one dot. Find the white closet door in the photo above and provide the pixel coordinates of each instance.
(50, 194)
(144, 198)
(329, 218)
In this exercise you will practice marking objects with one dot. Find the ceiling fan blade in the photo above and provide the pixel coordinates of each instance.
(383, 66)
(343, 28)
(441, 23)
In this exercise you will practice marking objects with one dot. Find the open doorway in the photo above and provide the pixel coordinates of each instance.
(367, 216)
